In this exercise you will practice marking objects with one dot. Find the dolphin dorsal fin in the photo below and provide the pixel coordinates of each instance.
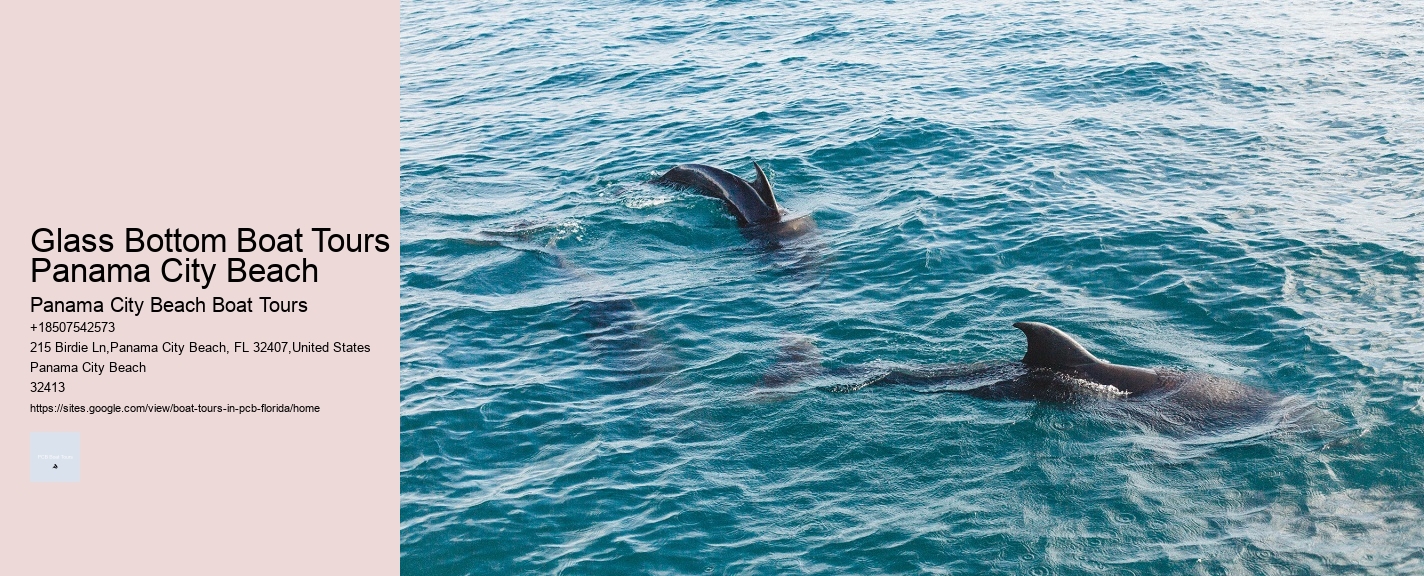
(763, 187)
(1049, 346)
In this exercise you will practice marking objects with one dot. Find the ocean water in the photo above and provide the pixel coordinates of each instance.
(1235, 188)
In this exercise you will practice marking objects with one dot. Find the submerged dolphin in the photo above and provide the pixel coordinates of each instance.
(1058, 369)
(752, 203)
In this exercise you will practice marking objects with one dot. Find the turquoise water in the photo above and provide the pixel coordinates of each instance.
(1234, 188)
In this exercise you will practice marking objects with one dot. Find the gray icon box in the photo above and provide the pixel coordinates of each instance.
(54, 456)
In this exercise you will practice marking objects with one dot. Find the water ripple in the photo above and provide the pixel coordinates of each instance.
(1228, 187)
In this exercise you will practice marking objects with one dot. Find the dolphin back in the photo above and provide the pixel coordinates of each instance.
(751, 202)
(1052, 348)
(1049, 347)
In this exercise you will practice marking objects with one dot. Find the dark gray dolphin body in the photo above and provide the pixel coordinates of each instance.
(753, 203)
(1051, 349)
(1058, 369)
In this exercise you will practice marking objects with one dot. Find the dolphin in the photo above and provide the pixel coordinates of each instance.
(1057, 369)
(753, 203)
(627, 345)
